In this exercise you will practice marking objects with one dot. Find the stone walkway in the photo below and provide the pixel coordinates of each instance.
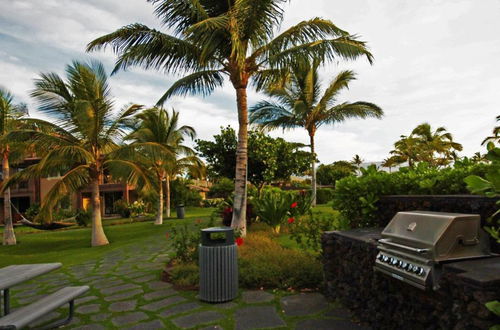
(126, 294)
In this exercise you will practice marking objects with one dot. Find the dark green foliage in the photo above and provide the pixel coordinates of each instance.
(64, 214)
(185, 275)
(32, 211)
(181, 194)
(489, 185)
(123, 208)
(223, 188)
(307, 230)
(83, 217)
(356, 197)
(329, 174)
(324, 195)
(269, 159)
(185, 242)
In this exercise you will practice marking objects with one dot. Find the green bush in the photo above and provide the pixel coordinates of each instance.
(274, 208)
(185, 275)
(83, 218)
(212, 202)
(356, 197)
(181, 194)
(223, 188)
(123, 208)
(324, 195)
(32, 211)
(185, 243)
(264, 263)
(307, 230)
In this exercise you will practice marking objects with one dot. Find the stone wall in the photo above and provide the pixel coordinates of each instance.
(386, 303)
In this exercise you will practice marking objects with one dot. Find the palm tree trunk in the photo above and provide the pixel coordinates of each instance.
(313, 169)
(9, 237)
(167, 195)
(240, 199)
(98, 236)
(159, 216)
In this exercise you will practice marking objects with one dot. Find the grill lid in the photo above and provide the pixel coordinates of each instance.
(435, 235)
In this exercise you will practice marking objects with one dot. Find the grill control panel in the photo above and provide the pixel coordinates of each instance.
(402, 265)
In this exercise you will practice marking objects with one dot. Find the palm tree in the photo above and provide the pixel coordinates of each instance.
(213, 40)
(158, 131)
(357, 160)
(81, 139)
(406, 149)
(300, 102)
(496, 135)
(9, 120)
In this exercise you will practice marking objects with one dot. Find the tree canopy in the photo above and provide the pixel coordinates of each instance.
(269, 159)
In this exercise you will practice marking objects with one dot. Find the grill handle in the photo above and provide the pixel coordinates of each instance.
(404, 247)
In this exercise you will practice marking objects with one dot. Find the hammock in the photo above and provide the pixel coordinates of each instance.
(42, 226)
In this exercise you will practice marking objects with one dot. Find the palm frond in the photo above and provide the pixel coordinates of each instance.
(202, 82)
(344, 111)
(269, 116)
(340, 82)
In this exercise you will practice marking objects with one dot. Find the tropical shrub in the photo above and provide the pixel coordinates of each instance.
(489, 185)
(32, 211)
(356, 197)
(264, 263)
(83, 217)
(274, 208)
(181, 194)
(223, 188)
(185, 241)
(137, 208)
(324, 195)
(123, 208)
(64, 214)
(307, 230)
(212, 202)
(185, 275)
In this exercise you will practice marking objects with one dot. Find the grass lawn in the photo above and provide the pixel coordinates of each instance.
(72, 246)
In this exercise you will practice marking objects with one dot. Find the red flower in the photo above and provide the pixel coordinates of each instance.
(294, 205)
(228, 210)
(239, 241)
(291, 220)
(167, 235)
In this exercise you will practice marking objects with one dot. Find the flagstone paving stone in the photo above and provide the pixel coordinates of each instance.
(303, 304)
(192, 320)
(126, 293)
(252, 297)
(255, 317)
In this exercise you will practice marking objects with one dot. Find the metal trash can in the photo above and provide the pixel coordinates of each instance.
(218, 265)
(180, 211)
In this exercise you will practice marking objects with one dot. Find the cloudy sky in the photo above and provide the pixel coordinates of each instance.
(436, 61)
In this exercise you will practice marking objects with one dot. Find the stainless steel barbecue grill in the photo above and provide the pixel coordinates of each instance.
(415, 245)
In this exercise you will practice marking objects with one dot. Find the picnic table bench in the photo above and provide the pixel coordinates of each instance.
(21, 317)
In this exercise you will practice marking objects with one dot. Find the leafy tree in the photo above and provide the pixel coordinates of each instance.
(212, 40)
(424, 145)
(80, 139)
(10, 114)
(160, 140)
(496, 135)
(299, 101)
(329, 174)
(269, 159)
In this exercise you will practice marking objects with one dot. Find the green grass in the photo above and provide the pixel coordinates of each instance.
(72, 246)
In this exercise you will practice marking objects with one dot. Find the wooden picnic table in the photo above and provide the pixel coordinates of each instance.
(16, 274)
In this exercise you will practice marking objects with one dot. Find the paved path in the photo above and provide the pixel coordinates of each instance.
(126, 294)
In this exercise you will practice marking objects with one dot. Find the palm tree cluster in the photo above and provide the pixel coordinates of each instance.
(84, 137)
(297, 100)
(436, 148)
(211, 41)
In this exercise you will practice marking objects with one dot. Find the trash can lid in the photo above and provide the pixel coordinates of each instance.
(225, 237)
(217, 230)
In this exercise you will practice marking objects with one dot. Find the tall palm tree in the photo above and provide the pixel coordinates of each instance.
(438, 147)
(298, 101)
(212, 40)
(81, 139)
(406, 149)
(10, 114)
(160, 140)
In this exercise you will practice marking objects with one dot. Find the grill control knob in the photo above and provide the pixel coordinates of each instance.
(421, 272)
(400, 264)
(394, 261)
(380, 257)
(404, 265)
(409, 267)
(389, 261)
(385, 258)
(415, 269)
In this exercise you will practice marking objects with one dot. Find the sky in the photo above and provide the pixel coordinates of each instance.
(436, 61)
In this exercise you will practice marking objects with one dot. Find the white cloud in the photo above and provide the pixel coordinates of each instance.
(435, 61)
